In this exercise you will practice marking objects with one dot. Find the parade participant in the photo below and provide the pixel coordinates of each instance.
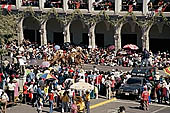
(145, 99)
(51, 99)
(87, 101)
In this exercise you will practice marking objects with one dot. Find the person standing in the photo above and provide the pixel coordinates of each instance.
(4, 99)
(87, 101)
(108, 88)
(11, 87)
(25, 92)
(51, 100)
(74, 108)
(65, 101)
(145, 99)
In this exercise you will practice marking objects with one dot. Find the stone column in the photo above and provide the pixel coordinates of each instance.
(91, 34)
(65, 5)
(145, 6)
(145, 37)
(18, 3)
(91, 8)
(66, 32)
(43, 33)
(41, 4)
(20, 34)
(118, 6)
(117, 36)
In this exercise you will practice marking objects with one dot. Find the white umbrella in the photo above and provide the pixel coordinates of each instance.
(82, 86)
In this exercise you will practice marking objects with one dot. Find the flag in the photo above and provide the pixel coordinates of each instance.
(6, 6)
(130, 8)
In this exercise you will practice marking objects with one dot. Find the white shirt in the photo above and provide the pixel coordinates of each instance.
(11, 86)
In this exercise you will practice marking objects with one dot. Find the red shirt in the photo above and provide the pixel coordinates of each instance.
(1, 74)
(25, 89)
(51, 96)
(145, 95)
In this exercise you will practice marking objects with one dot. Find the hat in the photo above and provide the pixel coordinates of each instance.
(145, 87)
(113, 69)
(157, 73)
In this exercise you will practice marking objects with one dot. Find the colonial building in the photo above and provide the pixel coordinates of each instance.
(95, 23)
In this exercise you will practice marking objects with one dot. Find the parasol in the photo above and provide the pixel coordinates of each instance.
(131, 46)
(45, 64)
(112, 47)
(56, 47)
(48, 76)
(167, 70)
(82, 85)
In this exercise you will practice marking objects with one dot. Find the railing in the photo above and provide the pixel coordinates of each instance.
(77, 4)
(53, 3)
(104, 5)
(34, 3)
(9, 2)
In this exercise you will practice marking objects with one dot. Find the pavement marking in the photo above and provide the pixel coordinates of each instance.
(159, 109)
(153, 104)
(102, 103)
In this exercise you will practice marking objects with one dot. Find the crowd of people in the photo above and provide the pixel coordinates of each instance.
(39, 90)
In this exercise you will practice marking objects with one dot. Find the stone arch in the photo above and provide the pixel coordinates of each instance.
(131, 33)
(55, 31)
(104, 34)
(159, 37)
(31, 28)
(79, 33)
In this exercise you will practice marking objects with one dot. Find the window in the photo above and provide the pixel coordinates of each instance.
(132, 5)
(10, 2)
(78, 4)
(53, 3)
(104, 5)
(159, 5)
(30, 3)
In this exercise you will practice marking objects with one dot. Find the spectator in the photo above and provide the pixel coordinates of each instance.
(4, 100)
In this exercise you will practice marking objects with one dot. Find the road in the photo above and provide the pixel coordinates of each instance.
(101, 106)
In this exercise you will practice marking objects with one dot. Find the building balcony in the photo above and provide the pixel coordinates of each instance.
(53, 3)
(104, 5)
(77, 4)
(128, 5)
(33, 3)
(9, 2)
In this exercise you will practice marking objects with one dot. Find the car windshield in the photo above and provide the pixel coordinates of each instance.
(134, 81)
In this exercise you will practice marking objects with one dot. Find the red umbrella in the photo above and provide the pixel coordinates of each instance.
(130, 46)
(112, 47)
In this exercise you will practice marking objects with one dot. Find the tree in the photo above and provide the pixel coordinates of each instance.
(8, 29)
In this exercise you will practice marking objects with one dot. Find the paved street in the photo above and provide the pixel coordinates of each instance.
(101, 106)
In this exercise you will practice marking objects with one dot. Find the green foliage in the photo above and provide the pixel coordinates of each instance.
(8, 27)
